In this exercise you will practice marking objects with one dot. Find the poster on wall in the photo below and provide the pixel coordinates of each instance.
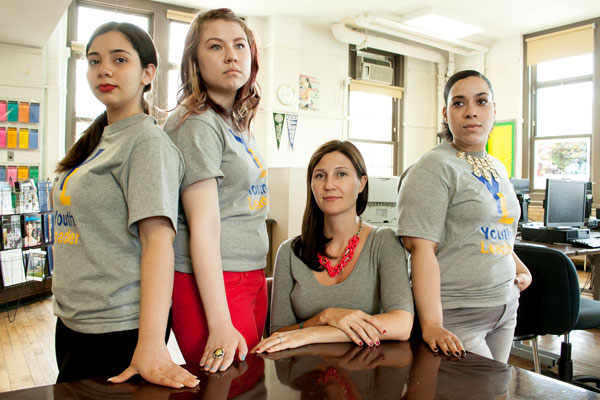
(292, 123)
(308, 93)
(278, 121)
(501, 145)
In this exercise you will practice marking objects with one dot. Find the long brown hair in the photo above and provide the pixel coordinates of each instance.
(142, 43)
(312, 240)
(193, 93)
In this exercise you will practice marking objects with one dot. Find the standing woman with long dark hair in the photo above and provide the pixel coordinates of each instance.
(115, 200)
(220, 296)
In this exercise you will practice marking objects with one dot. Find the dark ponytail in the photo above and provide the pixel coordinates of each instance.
(142, 43)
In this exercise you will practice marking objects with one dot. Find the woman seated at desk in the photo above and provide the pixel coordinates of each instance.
(341, 280)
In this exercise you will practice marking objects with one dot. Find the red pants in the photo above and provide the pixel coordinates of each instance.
(247, 300)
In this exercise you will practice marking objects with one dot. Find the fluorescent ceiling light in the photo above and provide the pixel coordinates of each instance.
(441, 22)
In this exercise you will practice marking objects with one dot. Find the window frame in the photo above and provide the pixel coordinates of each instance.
(159, 31)
(397, 117)
(529, 104)
(535, 86)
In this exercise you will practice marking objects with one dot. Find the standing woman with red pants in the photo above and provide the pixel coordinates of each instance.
(220, 293)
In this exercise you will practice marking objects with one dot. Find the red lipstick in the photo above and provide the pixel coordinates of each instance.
(106, 87)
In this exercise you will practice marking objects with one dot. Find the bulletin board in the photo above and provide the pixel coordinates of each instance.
(501, 144)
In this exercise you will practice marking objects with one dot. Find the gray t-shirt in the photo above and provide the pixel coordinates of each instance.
(212, 149)
(378, 283)
(473, 222)
(134, 173)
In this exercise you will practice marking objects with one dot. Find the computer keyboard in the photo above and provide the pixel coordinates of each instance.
(592, 242)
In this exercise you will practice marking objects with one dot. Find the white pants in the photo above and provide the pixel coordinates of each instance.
(487, 331)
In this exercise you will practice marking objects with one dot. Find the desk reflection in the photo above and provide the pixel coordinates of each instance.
(393, 370)
(390, 371)
(240, 382)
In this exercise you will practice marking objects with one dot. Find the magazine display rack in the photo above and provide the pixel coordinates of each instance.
(27, 236)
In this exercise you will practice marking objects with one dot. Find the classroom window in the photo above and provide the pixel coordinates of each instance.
(562, 123)
(178, 31)
(560, 107)
(374, 112)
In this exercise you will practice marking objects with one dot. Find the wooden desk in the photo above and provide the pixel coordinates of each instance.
(338, 371)
(571, 250)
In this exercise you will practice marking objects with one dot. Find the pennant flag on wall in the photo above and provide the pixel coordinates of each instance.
(292, 122)
(278, 119)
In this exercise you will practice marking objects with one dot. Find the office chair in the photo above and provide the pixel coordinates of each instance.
(553, 305)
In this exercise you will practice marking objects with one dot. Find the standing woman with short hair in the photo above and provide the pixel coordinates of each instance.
(115, 201)
(220, 296)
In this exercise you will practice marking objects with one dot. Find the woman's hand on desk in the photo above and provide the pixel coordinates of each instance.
(359, 326)
(284, 340)
(230, 340)
(153, 362)
(440, 339)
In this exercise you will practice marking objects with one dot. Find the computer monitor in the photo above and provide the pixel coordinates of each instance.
(588, 200)
(522, 191)
(565, 202)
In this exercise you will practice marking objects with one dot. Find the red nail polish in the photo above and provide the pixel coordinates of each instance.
(384, 331)
(360, 343)
(377, 343)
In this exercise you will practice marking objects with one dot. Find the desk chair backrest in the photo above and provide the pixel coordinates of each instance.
(550, 305)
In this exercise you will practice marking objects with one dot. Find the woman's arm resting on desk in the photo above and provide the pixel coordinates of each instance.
(397, 321)
(151, 358)
(359, 326)
(523, 277)
(284, 319)
(427, 294)
(201, 205)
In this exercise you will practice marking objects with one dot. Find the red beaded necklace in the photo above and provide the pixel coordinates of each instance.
(346, 257)
(333, 375)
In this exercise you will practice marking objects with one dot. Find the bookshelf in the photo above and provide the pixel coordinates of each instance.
(27, 237)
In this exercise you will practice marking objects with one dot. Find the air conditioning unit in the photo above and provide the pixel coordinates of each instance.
(372, 69)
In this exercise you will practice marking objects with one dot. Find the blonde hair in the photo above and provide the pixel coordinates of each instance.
(193, 92)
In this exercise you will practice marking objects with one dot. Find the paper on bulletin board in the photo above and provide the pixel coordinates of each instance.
(33, 139)
(11, 138)
(308, 93)
(12, 111)
(11, 174)
(34, 112)
(501, 145)
(23, 112)
(22, 173)
(3, 111)
(23, 138)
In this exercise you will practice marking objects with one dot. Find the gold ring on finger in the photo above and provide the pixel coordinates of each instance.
(218, 353)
